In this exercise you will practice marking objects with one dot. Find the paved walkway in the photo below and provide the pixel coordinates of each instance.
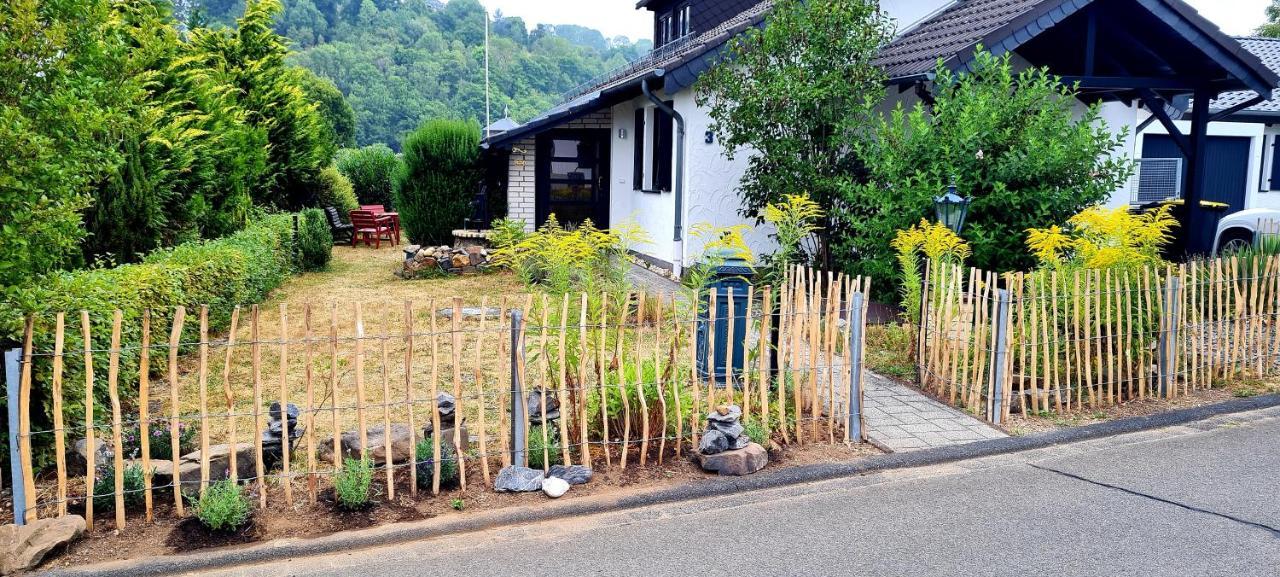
(651, 282)
(900, 418)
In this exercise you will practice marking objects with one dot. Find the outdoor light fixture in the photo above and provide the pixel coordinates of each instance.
(951, 208)
(622, 134)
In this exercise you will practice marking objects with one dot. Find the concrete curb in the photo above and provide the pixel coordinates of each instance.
(282, 549)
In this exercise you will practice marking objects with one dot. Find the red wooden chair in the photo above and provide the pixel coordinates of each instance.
(368, 224)
(374, 208)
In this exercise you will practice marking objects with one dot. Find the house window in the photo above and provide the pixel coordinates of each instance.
(664, 30)
(684, 25)
(663, 139)
(637, 158)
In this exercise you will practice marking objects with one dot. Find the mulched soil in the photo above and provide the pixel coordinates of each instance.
(169, 535)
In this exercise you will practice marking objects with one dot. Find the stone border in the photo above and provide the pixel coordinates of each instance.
(291, 548)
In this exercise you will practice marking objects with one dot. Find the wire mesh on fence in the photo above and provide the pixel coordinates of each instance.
(1089, 338)
(608, 380)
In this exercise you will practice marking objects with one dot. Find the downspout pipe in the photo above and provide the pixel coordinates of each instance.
(677, 260)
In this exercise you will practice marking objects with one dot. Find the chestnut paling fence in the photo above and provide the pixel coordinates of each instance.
(622, 372)
(1054, 341)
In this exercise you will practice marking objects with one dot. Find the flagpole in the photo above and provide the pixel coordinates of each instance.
(487, 121)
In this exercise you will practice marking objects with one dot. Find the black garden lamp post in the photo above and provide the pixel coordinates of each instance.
(951, 208)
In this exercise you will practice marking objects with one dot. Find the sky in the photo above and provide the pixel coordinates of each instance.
(620, 17)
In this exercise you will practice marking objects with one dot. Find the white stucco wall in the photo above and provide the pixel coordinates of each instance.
(654, 212)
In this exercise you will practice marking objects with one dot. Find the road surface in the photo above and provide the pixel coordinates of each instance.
(1202, 499)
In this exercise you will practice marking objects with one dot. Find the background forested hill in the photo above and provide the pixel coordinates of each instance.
(401, 61)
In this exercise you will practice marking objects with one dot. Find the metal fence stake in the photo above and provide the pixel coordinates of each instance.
(12, 368)
(857, 317)
(1000, 359)
(1168, 336)
(518, 424)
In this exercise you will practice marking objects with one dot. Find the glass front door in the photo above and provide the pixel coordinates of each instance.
(573, 176)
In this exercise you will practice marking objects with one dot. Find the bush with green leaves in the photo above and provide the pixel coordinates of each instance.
(440, 179)
(315, 240)
(551, 446)
(1018, 145)
(752, 428)
(351, 484)
(334, 189)
(240, 269)
(424, 456)
(372, 171)
(104, 488)
(223, 507)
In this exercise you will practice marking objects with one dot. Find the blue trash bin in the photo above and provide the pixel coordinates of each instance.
(730, 353)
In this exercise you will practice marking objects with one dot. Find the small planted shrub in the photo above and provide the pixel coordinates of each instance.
(440, 179)
(335, 190)
(104, 488)
(458, 504)
(424, 456)
(315, 240)
(223, 507)
(536, 446)
(351, 485)
(372, 171)
(753, 430)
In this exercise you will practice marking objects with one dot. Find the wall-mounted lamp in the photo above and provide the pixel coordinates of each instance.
(622, 134)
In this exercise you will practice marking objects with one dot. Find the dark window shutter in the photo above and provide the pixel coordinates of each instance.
(663, 139)
(637, 158)
(1275, 164)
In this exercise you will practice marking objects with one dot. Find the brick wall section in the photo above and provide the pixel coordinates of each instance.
(521, 185)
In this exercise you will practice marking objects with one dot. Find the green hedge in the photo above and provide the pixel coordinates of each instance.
(238, 269)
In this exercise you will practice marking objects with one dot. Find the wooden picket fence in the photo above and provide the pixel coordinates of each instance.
(623, 369)
(1055, 341)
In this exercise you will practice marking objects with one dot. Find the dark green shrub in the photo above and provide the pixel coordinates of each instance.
(372, 171)
(552, 446)
(315, 240)
(424, 456)
(753, 430)
(240, 269)
(335, 190)
(440, 179)
(104, 488)
(351, 484)
(223, 507)
(161, 441)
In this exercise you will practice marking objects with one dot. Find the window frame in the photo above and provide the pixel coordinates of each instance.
(639, 127)
(661, 171)
(665, 29)
(684, 15)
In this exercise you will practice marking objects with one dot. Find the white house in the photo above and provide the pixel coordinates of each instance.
(633, 145)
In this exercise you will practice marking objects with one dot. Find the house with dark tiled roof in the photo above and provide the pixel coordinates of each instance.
(634, 146)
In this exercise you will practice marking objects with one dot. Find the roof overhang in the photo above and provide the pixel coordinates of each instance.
(1120, 46)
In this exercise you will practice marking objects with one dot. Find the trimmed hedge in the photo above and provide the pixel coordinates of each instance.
(235, 270)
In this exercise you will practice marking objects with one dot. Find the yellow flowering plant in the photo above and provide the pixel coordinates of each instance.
(938, 244)
(794, 220)
(1104, 238)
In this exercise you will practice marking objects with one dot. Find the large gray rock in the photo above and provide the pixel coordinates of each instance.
(220, 463)
(78, 455)
(401, 448)
(713, 442)
(534, 404)
(513, 479)
(572, 474)
(736, 462)
(25, 547)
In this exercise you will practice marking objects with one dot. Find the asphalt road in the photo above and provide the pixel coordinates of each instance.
(1197, 500)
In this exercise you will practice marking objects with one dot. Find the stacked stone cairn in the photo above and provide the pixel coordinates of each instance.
(428, 260)
(558, 478)
(725, 449)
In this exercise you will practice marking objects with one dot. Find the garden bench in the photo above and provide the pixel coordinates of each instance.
(368, 225)
(342, 231)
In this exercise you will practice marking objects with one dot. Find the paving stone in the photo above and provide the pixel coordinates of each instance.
(921, 428)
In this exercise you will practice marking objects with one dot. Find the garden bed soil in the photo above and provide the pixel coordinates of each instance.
(168, 535)
(1031, 424)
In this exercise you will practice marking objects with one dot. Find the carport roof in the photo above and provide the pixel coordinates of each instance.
(1268, 51)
